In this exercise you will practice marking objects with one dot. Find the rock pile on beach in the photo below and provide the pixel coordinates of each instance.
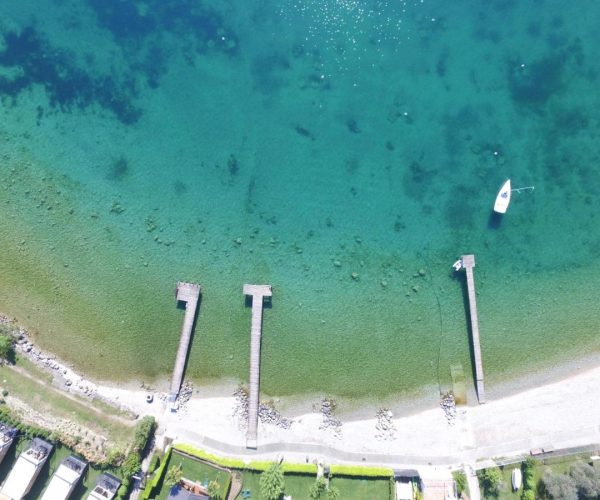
(448, 405)
(61, 374)
(327, 408)
(267, 413)
(240, 408)
(185, 393)
(386, 430)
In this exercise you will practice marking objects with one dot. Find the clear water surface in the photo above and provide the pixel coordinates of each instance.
(344, 151)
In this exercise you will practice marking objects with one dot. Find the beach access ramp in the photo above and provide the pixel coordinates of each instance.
(65, 479)
(26, 470)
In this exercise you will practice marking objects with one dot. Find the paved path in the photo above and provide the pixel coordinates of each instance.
(474, 493)
(299, 452)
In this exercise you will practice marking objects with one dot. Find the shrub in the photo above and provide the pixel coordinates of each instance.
(587, 480)
(7, 348)
(461, 482)
(528, 495)
(131, 464)
(174, 475)
(318, 490)
(143, 430)
(360, 471)
(115, 457)
(214, 489)
(272, 483)
(123, 492)
(560, 486)
(490, 480)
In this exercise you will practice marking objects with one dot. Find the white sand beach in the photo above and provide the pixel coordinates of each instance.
(561, 414)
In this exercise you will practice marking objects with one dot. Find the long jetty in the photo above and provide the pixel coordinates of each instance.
(257, 292)
(188, 293)
(468, 262)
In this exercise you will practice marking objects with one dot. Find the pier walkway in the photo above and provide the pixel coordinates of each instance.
(257, 292)
(468, 262)
(188, 293)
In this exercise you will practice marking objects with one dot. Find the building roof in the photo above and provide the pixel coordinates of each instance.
(405, 473)
(106, 487)
(7, 434)
(64, 479)
(26, 468)
(179, 493)
(404, 491)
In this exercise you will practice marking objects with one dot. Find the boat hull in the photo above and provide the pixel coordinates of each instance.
(503, 198)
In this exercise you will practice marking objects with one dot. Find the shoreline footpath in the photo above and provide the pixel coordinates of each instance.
(561, 413)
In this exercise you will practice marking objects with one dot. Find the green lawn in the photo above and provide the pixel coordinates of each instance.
(196, 471)
(298, 487)
(45, 399)
(362, 489)
(506, 492)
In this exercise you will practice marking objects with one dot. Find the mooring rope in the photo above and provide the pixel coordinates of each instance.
(439, 305)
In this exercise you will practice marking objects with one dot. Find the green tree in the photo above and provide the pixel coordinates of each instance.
(214, 490)
(131, 464)
(461, 482)
(173, 476)
(7, 350)
(271, 482)
(333, 493)
(490, 480)
(528, 495)
(587, 480)
(560, 486)
(318, 489)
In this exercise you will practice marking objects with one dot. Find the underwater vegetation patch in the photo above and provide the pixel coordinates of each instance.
(268, 72)
(129, 20)
(118, 169)
(417, 180)
(534, 84)
(31, 60)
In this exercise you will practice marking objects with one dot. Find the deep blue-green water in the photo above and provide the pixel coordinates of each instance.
(346, 152)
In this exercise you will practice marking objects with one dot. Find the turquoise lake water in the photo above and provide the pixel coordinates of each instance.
(346, 152)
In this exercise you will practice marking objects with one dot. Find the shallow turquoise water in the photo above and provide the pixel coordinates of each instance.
(296, 143)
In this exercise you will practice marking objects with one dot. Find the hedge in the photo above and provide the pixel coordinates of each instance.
(153, 483)
(236, 463)
(225, 487)
(7, 417)
(361, 471)
(259, 466)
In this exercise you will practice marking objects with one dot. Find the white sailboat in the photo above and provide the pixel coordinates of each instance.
(516, 478)
(503, 198)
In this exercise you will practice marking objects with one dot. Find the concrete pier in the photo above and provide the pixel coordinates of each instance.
(188, 293)
(468, 262)
(257, 292)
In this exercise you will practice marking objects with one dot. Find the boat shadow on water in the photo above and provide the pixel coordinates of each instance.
(495, 220)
